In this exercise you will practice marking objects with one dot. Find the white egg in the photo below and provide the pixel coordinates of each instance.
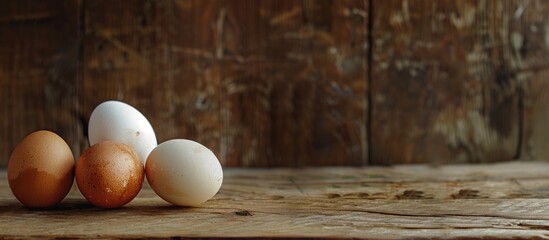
(120, 122)
(184, 172)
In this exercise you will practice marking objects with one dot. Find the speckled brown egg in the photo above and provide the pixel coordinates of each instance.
(41, 170)
(109, 174)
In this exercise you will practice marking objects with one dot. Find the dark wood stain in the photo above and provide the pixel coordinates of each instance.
(447, 78)
(243, 213)
(39, 66)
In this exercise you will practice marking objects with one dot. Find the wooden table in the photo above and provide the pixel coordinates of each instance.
(490, 201)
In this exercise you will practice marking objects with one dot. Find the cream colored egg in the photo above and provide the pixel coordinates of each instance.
(184, 172)
(120, 122)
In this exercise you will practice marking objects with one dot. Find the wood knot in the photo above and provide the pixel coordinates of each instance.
(465, 194)
(410, 194)
(243, 213)
(333, 195)
(363, 195)
(357, 194)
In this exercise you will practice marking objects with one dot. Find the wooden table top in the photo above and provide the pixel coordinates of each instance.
(478, 201)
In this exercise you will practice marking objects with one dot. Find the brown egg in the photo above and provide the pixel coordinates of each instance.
(109, 174)
(41, 170)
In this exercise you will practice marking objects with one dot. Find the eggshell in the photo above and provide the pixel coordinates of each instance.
(184, 172)
(109, 174)
(120, 122)
(41, 170)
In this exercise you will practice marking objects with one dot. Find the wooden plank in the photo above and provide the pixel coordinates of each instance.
(192, 103)
(119, 57)
(532, 69)
(445, 85)
(269, 83)
(294, 82)
(39, 65)
(145, 53)
(284, 83)
(500, 201)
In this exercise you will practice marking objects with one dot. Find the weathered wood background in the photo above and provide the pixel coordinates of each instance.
(287, 83)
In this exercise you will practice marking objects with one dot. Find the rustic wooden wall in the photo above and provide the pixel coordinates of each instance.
(287, 83)
(39, 71)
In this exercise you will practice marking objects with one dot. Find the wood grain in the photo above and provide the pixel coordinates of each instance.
(287, 83)
(157, 56)
(445, 84)
(532, 63)
(500, 201)
(261, 83)
(296, 94)
(39, 66)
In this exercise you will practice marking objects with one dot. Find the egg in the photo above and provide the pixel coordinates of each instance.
(184, 172)
(120, 122)
(109, 174)
(41, 170)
